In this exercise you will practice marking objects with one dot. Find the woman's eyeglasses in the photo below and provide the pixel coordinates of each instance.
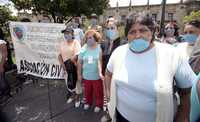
(110, 28)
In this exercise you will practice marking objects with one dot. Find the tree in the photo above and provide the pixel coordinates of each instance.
(62, 8)
(193, 16)
(5, 17)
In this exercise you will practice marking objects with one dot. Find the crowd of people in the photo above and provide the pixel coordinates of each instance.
(142, 77)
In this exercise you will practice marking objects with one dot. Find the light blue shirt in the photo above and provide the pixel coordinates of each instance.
(78, 34)
(195, 103)
(89, 58)
(136, 94)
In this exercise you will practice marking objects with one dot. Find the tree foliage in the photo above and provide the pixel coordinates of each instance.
(5, 17)
(195, 15)
(62, 8)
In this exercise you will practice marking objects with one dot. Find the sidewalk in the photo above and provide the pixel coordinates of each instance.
(40, 103)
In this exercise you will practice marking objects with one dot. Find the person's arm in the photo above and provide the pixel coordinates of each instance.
(76, 51)
(183, 111)
(100, 66)
(184, 77)
(107, 82)
(60, 59)
(198, 88)
(79, 69)
(4, 53)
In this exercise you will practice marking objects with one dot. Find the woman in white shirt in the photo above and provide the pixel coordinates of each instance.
(139, 77)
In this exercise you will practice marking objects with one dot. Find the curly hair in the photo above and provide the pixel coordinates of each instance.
(96, 35)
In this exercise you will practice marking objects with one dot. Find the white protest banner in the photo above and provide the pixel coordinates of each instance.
(36, 48)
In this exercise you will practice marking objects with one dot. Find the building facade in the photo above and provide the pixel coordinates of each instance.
(173, 12)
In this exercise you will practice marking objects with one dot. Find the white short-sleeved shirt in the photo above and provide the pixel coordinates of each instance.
(136, 94)
(78, 34)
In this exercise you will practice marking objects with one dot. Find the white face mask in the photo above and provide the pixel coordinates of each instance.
(169, 32)
(94, 21)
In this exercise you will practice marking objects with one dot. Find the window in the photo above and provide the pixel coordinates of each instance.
(154, 16)
(170, 16)
(123, 18)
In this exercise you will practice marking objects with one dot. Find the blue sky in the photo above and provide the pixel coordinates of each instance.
(138, 2)
(2, 2)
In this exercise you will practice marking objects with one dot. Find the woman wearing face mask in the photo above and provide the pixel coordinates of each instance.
(94, 24)
(78, 32)
(170, 34)
(191, 35)
(111, 41)
(90, 70)
(69, 50)
(139, 77)
(195, 57)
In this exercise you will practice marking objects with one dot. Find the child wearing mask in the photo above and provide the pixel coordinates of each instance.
(69, 50)
(90, 70)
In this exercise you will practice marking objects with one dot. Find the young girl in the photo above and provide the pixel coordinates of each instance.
(90, 70)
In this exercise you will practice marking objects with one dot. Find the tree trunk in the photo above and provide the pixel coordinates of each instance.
(54, 17)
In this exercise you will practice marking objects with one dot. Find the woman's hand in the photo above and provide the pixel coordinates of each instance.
(79, 78)
(101, 76)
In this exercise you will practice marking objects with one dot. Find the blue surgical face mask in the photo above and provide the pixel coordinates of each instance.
(90, 42)
(111, 34)
(68, 37)
(139, 45)
(190, 38)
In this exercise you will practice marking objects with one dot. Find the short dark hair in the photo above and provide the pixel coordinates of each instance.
(141, 18)
(195, 23)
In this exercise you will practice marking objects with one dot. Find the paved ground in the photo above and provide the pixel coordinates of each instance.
(40, 103)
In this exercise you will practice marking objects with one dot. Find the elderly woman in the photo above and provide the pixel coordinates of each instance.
(90, 70)
(139, 77)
